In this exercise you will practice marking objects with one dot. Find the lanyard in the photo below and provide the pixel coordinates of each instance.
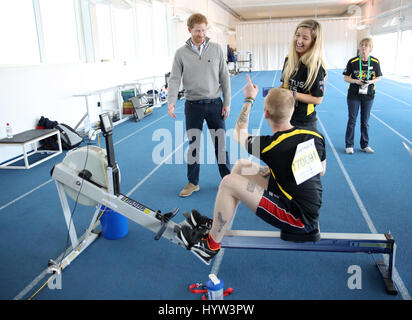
(360, 67)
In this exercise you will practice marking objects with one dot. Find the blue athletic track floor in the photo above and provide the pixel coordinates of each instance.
(363, 193)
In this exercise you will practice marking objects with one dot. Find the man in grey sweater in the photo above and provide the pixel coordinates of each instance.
(201, 66)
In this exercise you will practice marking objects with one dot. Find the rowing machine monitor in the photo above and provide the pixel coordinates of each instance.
(106, 126)
(106, 123)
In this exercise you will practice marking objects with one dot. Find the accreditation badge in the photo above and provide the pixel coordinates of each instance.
(306, 163)
(363, 90)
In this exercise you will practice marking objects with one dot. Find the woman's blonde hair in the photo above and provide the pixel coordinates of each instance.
(312, 59)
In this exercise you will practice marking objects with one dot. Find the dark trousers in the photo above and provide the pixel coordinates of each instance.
(195, 113)
(365, 106)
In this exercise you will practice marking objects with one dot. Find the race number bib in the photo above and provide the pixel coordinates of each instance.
(306, 163)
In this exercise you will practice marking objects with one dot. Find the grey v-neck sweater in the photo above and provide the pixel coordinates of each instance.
(204, 76)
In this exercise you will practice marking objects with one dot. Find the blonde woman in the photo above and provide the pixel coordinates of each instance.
(362, 72)
(304, 72)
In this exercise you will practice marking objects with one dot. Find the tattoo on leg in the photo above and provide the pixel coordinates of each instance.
(221, 221)
(250, 186)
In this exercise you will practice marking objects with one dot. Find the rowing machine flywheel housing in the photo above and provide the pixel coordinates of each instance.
(86, 159)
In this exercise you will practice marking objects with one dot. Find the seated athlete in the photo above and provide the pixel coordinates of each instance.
(270, 192)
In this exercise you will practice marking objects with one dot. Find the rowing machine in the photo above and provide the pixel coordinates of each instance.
(90, 176)
(329, 242)
(319, 242)
(81, 176)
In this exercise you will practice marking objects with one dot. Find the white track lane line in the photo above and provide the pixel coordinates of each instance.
(390, 128)
(403, 85)
(378, 91)
(25, 194)
(376, 117)
(394, 98)
(396, 277)
(407, 148)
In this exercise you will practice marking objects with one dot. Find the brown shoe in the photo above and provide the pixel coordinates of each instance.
(188, 190)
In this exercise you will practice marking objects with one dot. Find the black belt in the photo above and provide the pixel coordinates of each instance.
(204, 101)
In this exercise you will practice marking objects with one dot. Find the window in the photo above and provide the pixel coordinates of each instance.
(124, 34)
(58, 21)
(160, 44)
(18, 36)
(144, 28)
(385, 49)
(405, 51)
(394, 51)
(103, 33)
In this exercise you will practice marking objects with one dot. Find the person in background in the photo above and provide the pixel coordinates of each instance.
(201, 65)
(304, 72)
(362, 72)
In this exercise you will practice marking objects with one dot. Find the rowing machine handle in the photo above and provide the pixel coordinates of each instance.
(164, 219)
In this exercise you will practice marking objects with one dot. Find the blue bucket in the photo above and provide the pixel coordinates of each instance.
(114, 225)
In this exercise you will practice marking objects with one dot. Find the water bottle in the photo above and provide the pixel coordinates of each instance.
(214, 288)
(9, 131)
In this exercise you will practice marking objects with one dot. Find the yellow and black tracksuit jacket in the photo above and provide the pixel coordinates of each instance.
(305, 113)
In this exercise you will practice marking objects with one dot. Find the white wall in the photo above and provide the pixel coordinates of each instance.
(269, 41)
(220, 21)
